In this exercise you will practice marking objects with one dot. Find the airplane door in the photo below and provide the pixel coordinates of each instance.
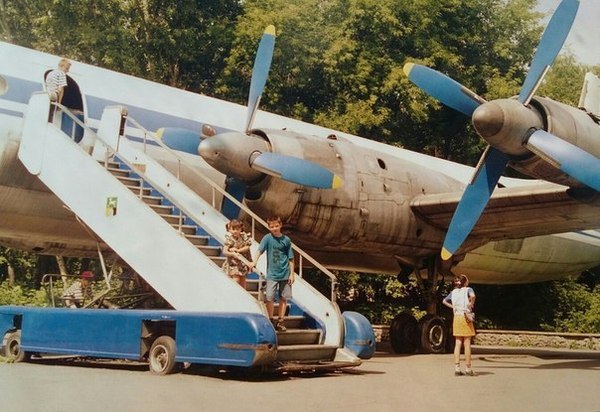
(73, 100)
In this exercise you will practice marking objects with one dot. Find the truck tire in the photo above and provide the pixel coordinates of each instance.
(161, 358)
(13, 349)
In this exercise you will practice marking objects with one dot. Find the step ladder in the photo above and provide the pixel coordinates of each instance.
(167, 233)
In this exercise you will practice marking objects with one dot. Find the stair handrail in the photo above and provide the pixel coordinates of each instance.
(246, 209)
(214, 186)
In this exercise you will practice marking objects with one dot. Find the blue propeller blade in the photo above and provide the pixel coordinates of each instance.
(443, 88)
(572, 160)
(260, 71)
(295, 170)
(474, 200)
(552, 41)
(183, 140)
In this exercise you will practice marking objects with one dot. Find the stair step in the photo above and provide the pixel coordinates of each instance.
(290, 322)
(298, 337)
(152, 200)
(185, 229)
(118, 172)
(172, 219)
(198, 240)
(162, 209)
(219, 260)
(209, 250)
(130, 181)
(145, 191)
(306, 353)
(111, 164)
(252, 285)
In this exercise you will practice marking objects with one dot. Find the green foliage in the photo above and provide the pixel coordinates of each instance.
(183, 43)
(378, 297)
(21, 296)
(564, 81)
(578, 309)
(22, 263)
(571, 305)
(339, 63)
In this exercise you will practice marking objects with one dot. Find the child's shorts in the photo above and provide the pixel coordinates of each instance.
(279, 288)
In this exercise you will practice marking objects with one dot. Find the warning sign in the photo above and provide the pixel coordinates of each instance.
(111, 206)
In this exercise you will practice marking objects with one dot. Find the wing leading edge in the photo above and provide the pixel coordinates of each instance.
(517, 212)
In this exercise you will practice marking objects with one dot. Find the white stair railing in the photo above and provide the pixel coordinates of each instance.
(182, 274)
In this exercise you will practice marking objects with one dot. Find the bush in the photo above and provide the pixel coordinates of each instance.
(18, 295)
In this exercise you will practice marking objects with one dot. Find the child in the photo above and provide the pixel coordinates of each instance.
(237, 243)
(461, 300)
(280, 269)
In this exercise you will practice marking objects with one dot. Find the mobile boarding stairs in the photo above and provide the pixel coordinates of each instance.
(172, 238)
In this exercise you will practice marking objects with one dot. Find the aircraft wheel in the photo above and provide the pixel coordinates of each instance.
(162, 356)
(13, 347)
(403, 333)
(432, 334)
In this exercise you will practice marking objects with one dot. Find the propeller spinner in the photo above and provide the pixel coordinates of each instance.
(504, 124)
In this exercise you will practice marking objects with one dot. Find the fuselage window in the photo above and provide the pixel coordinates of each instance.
(381, 164)
(3, 86)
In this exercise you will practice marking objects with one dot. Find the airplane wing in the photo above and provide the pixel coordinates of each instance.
(518, 212)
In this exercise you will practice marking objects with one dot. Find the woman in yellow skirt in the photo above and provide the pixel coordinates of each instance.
(462, 301)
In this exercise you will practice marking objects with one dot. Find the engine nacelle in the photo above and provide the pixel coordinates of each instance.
(570, 124)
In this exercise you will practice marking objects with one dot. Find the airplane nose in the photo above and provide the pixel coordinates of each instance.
(488, 119)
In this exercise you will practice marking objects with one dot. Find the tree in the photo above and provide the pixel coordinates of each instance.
(347, 74)
(182, 44)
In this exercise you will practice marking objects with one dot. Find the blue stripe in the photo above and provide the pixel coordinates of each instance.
(20, 90)
(11, 112)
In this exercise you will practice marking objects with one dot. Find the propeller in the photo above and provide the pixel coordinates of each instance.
(260, 72)
(177, 138)
(571, 159)
(243, 158)
(296, 170)
(489, 121)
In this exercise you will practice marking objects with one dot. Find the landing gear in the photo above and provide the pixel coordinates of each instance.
(430, 334)
(402, 333)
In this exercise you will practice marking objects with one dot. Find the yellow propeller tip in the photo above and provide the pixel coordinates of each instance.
(270, 30)
(159, 133)
(407, 68)
(446, 254)
(337, 182)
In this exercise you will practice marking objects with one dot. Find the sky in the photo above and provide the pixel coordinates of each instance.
(584, 38)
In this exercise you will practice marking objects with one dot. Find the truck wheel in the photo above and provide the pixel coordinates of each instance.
(13, 347)
(162, 356)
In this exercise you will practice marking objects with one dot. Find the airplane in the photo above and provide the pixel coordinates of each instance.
(352, 203)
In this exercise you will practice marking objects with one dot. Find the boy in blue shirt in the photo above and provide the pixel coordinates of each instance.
(280, 269)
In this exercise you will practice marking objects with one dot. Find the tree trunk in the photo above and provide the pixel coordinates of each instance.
(62, 269)
(11, 275)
